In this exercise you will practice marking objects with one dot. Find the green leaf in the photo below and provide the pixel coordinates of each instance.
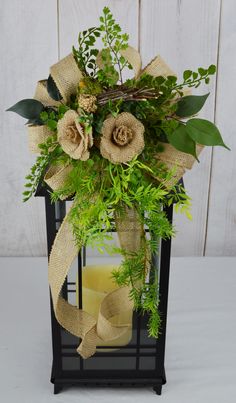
(190, 105)
(172, 79)
(94, 52)
(35, 122)
(181, 140)
(52, 89)
(106, 10)
(44, 116)
(204, 132)
(202, 71)
(212, 69)
(187, 74)
(52, 124)
(28, 108)
(90, 162)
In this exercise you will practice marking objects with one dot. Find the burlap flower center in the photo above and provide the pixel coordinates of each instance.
(72, 134)
(122, 135)
(88, 103)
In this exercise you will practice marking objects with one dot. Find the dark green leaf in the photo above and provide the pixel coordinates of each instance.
(106, 10)
(94, 52)
(159, 80)
(202, 71)
(204, 132)
(172, 79)
(187, 74)
(28, 108)
(35, 122)
(212, 69)
(180, 139)
(190, 105)
(52, 89)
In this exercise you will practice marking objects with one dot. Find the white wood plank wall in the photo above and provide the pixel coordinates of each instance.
(188, 34)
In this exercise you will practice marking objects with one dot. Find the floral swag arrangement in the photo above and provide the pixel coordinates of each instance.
(118, 149)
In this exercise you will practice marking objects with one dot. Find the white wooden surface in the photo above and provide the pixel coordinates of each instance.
(28, 46)
(188, 34)
(221, 229)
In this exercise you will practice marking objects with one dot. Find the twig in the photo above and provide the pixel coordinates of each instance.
(127, 94)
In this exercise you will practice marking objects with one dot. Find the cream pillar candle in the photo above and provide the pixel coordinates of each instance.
(97, 281)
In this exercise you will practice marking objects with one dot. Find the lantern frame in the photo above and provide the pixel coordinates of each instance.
(141, 361)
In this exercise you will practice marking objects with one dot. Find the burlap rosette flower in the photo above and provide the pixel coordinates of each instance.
(122, 138)
(72, 136)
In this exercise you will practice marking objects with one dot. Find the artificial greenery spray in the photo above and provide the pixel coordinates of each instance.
(110, 133)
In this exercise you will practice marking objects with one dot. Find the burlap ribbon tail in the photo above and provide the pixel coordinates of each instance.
(66, 75)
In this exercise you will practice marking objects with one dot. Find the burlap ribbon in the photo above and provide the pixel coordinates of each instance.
(66, 75)
(77, 321)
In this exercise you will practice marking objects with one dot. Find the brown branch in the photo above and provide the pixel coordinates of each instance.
(127, 94)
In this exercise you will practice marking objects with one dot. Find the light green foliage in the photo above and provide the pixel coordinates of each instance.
(194, 78)
(86, 53)
(49, 151)
(114, 41)
(182, 201)
(50, 116)
(101, 187)
(155, 109)
(89, 85)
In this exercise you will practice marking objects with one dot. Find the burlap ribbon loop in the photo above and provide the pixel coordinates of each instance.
(158, 67)
(133, 57)
(56, 176)
(42, 95)
(67, 75)
(77, 321)
(36, 136)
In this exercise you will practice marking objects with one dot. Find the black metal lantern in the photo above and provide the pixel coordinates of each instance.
(140, 362)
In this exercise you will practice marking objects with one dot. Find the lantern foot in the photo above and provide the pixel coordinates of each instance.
(157, 389)
(57, 388)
